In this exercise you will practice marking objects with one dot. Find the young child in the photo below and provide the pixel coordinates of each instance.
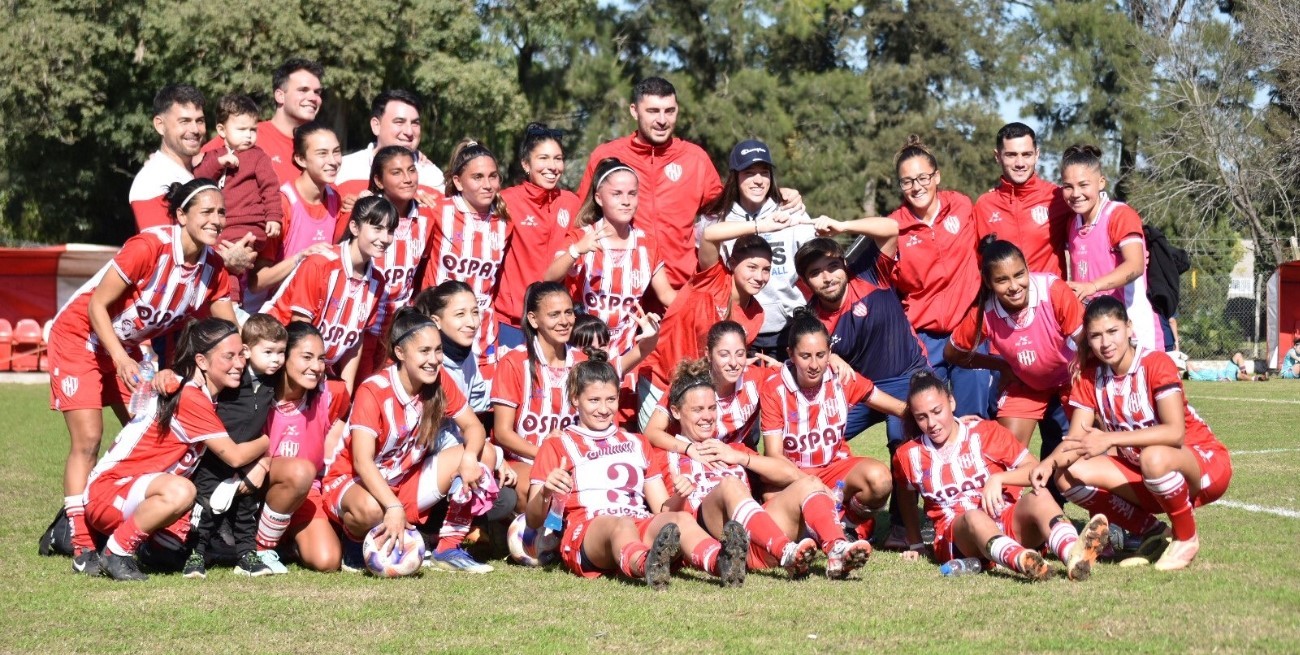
(243, 411)
(1291, 363)
(245, 175)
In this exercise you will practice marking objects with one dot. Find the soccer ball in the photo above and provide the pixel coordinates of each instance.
(404, 559)
(529, 546)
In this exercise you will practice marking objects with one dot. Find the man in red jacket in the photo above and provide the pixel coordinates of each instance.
(296, 87)
(677, 177)
(1024, 208)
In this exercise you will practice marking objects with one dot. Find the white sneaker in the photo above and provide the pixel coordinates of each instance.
(1179, 554)
(272, 561)
(797, 556)
(845, 556)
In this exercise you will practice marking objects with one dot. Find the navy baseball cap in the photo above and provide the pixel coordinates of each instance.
(747, 153)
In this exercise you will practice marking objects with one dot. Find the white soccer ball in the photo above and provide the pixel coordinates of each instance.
(531, 547)
(405, 558)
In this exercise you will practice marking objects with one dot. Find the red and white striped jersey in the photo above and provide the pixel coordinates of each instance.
(610, 282)
(162, 290)
(1126, 402)
(950, 478)
(322, 289)
(470, 248)
(541, 401)
(144, 446)
(811, 425)
(738, 412)
(609, 470)
(705, 478)
(400, 263)
(382, 408)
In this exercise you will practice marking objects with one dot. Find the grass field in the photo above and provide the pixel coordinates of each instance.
(1241, 595)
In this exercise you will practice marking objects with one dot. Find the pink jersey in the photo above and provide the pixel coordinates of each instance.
(811, 425)
(144, 446)
(1095, 251)
(541, 401)
(382, 408)
(950, 478)
(738, 412)
(470, 248)
(298, 428)
(1127, 401)
(611, 281)
(161, 289)
(1038, 342)
(400, 263)
(705, 478)
(303, 230)
(609, 470)
(323, 290)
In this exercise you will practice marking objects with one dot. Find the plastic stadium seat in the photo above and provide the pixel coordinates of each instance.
(44, 363)
(6, 344)
(27, 345)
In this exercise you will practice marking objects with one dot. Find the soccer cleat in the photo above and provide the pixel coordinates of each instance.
(456, 559)
(1033, 566)
(272, 561)
(88, 562)
(1179, 554)
(1151, 547)
(252, 566)
(354, 561)
(797, 557)
(1083, 554)
(194, 568)
(846, 556)
(122, 568)
(57, 538)
(659, 560)
(897, 539)
(732, 564)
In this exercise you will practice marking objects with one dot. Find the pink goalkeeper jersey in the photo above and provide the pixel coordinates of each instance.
(1095, 252)
(303, 229)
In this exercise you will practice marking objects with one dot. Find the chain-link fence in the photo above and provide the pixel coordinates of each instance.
(1221, 308)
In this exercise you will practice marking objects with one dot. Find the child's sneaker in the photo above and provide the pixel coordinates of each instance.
(194, 568)
(659, 560)
(252, 566)
(1179, 554)
(845, 557)
(272, 561)
(456, 559)
(732, 560)
(1083, 554)
(797, 557)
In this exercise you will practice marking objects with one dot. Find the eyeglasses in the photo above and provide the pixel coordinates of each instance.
(541, 132)
(922, 180)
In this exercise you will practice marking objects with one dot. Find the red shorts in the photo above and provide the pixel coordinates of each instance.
(831, 474)
(81, 379)
(110, 501)
(1019, 400)
(374, 358)
(945, 542)
(312, 508)
(571, 546)
(407, 491)
(1216, 473)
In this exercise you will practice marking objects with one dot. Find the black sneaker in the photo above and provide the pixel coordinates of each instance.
(194, 568)
(57, 538)
(88, 562)
(659, 561)
(354, 561)
(122, 567)
(732, 560)
(252, 566)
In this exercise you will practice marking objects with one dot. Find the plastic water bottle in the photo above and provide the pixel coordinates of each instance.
(144, 394)
(838, 496)
(555, 515)
(963, 566)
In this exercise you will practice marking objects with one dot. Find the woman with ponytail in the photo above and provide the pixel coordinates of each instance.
(470, 237)
(386, 472)
(140, 488)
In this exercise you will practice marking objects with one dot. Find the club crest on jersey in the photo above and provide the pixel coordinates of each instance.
(952, 224)
(1039, 214)
(636, 279)
(966, 460)
(69, 385)
(1082, 268)
(792, 416)
(673, 172)
(860, 310)
(1027, 357)
(562, 217)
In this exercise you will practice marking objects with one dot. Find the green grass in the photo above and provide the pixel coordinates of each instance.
(1241, 594)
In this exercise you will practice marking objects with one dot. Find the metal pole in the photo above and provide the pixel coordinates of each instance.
(1259, 283)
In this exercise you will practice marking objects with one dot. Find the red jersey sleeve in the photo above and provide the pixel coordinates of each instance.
(1069, 311)
(902, 473)
(456, 402)
(196, 417)
(548, 459)
(137, 258)
(220, 289)
(367, 414)
(1161, 374)
(858, 389)
(508, 384)
(304, 293)
(963, 336)
(999, 445)
(712, 184)
(338, 406)
(1083, 391)
(770, 416)
(658, 462)
(1125, 226)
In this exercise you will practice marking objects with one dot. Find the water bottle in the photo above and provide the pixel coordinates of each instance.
(555, 515)
(144, 396)
(838, 496)
(963, 566)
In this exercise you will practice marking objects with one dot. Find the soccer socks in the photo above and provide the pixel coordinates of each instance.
(1119, 510)
(1170, 490)
(75, 508)
(1062, 537)
(631, 559)
(454, 528)
(1006, 551)
(270, 528)
(705, 556)
(819, 515)
(126, 538)
(760, 526)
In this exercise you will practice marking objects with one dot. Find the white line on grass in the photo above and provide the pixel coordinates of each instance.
(1250, 507)
(1265, 452)
(1276, 401)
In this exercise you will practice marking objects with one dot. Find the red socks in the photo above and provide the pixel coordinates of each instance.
(1006, 551)
(631, 559)
(705, 556)
(75, 508)
(1119, 510)
(760, 526)
(1062, 537)
(271, 527)
(1170, 490)
(456, 525)
(819, 515)
(126, 538)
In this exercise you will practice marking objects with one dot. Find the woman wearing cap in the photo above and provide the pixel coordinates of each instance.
(750, 195)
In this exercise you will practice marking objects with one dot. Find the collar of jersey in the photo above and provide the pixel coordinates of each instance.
(582, 431)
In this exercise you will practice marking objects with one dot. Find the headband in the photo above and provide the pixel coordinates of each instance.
(621, 167)
(201, 189)
(426, 323)
(228, 329)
